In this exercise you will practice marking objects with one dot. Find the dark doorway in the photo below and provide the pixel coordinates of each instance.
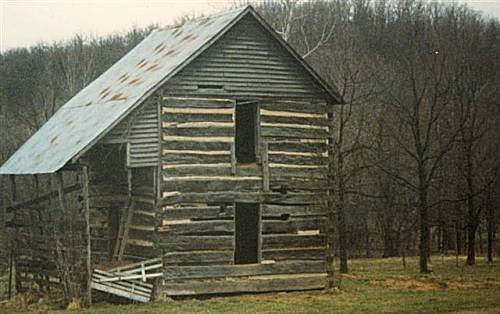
(247, 229)
(246, 132)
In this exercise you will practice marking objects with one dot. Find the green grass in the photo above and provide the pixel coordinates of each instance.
(373, 286)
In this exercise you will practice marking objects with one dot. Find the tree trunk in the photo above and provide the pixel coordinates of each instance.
(368, 249)
(390, 245)
(471, 241)
(342, 238)
(491, 233)
(424, 231)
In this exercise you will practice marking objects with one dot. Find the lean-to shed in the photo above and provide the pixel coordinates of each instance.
(202, 154)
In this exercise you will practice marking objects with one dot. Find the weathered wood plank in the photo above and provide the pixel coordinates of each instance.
(276, 241)
(295, 120)
(193, 243)
(298, 160)
(298, 172)
(192, 117)
(288, 132)
(209, 212)
(304, 107)
(277, 210)
(180, 171)
(197, 102)
(289, 146)
(288, 283)
(194, 145)
(215, 271)
(293, 225)
(206, 131)
(216, 184)
(293, 184)
(194, 228)
(111, 288)
(199, 257)
(229, 197)
(195, 158)
(294, 254)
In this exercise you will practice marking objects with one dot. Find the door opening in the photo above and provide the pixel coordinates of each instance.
(247, 231)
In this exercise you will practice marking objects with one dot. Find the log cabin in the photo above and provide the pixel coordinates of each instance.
(199, 161)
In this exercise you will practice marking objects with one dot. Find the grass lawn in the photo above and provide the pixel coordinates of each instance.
(372, 286)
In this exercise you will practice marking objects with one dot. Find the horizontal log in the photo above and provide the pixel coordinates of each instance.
(195, 145)
(195, 158)
(192, 117)
(287, 171)
(295, 120)
(199, 257)
(293, 184)
(217, 271)
(194, 228)
(288, 283)
(282, 146)
(292, 225)
(206, 131)
(208, 212)
(230, 197)
(205, 185)
(193, 243)
(198, 102)
(287, 132)
(295, 107)
(276, 241)
(298, 160)
(294, 254)
(207, 170)
(277, 210)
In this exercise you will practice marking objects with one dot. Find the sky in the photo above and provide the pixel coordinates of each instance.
(27, 22)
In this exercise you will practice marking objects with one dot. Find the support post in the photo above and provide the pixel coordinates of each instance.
(265, 165)
(330, 243)
(13, 188)
(159, 167)
(60, 190)
(233, 158)
(86, 206)
(11, 264)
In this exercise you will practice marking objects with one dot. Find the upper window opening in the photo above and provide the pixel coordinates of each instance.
(246, 132)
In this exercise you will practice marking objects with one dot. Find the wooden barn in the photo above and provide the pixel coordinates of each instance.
(197, 163)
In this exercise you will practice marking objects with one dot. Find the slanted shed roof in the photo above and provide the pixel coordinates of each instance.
(97, 108)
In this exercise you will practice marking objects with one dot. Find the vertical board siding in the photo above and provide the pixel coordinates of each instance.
(140, 131)
(245, 62)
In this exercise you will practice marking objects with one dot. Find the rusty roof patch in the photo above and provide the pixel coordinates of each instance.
(104, 90)
(154, 67)
(106, 93)
(117, 97)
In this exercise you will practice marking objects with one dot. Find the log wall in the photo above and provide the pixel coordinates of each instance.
(201, 182)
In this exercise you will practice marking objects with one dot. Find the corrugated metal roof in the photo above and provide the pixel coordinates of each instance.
(104, 102)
